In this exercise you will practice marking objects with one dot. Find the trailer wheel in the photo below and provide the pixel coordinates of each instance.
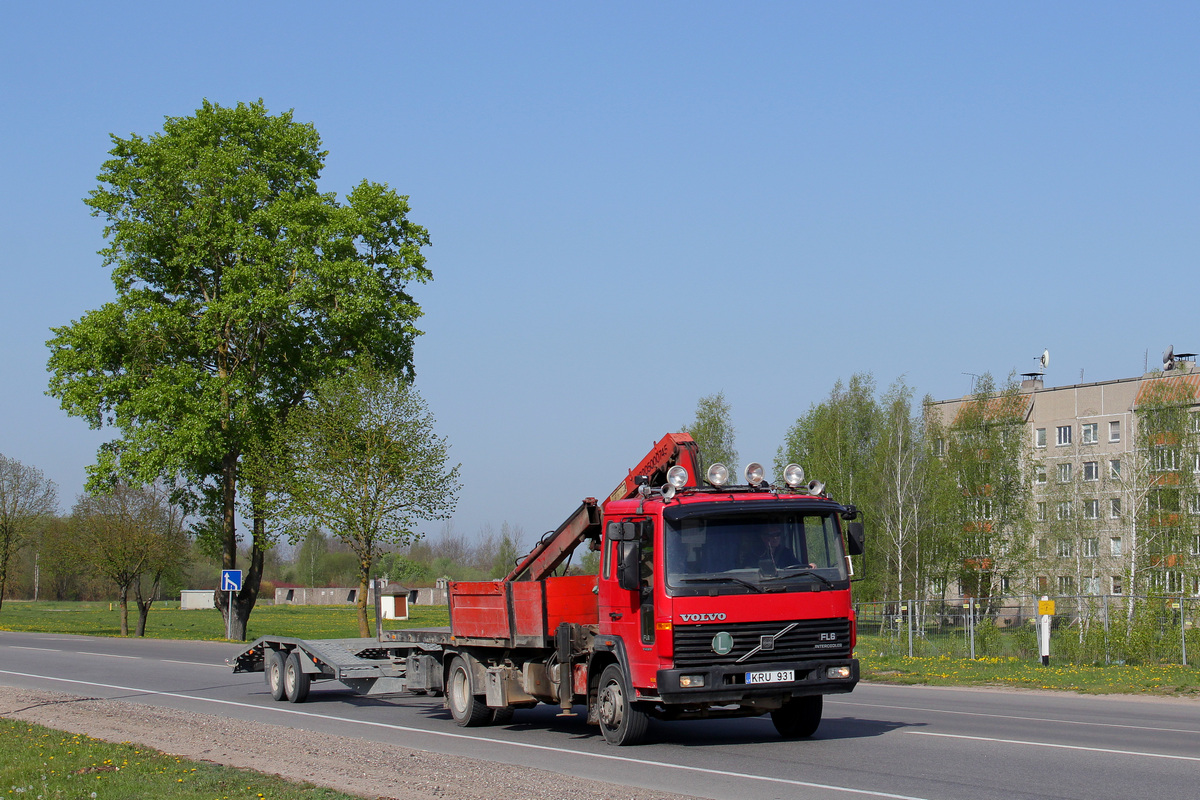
(502, 716)
(273, 674)
(295, 679)
(621, 721)
(799, 717)
(467, 709)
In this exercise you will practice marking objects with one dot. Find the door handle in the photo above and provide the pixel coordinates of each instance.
(615, 615)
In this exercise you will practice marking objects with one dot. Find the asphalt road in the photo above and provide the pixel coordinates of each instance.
(880, 741)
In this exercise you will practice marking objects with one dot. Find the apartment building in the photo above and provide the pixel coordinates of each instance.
(1090, 478)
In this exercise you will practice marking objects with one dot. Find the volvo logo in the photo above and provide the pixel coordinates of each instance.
(717, 617)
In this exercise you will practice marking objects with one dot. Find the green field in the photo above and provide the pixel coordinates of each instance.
(166, 621)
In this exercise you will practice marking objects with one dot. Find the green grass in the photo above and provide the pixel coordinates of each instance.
(37, 762)
(166, 621)
(1171, 680)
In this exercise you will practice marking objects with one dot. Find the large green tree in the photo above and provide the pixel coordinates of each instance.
(362, 460)
(238, 286)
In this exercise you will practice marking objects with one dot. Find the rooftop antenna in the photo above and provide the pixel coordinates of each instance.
(1045, 359)
(1169, 358)
(974, 382)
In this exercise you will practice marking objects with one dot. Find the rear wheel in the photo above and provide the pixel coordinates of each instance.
(468, 710)
(621, 721)
(799, 717)
(273, 674)
(295, 678)
(502, 716)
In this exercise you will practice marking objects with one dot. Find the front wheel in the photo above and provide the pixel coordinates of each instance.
(799, 717)
(296, 679)
(621, 721)
(467, 709)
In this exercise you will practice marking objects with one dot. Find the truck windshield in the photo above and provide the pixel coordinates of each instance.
(764, 550)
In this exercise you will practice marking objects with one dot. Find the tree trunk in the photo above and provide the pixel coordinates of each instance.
(124, 604)
(364, 577)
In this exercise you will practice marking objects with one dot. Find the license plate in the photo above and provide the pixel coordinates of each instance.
(773, 676)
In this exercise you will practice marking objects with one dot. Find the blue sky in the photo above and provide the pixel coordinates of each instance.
(633, 205)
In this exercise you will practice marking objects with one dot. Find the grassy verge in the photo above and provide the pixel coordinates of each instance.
(1170, 680)
(166, 621)
(37, 762)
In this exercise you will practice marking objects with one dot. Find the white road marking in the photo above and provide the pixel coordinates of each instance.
(44, 649)
(449, 735)
(1013, 717)
(194, 663)
(1052, 744)
(107, 655)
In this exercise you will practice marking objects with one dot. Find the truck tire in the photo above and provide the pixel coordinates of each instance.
(502, 716)
(468, 710)
(273, 674)
(295, 679)
(799, 717)
(621, 721)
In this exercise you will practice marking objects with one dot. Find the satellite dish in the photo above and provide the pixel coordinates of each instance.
(1045, 359)
(1169, 358)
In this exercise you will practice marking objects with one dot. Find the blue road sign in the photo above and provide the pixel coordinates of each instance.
(231, 580)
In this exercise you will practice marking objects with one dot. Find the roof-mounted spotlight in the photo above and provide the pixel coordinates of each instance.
(754, 473)
(718, 475)
(793, 475)
(677, 477)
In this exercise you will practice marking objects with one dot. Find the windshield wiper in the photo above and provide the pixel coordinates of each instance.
(796, 572)
(717, 579)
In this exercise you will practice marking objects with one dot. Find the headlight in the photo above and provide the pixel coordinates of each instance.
(718, 475)
(691, 681)
(754, 473)
(677, 476)
(793, 475)
(837, 672)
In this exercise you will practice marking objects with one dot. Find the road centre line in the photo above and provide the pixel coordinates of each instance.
(1107, 750)
(1014, 717)
(110, 655)
(194, 663)
(43, 649)
(449, 735)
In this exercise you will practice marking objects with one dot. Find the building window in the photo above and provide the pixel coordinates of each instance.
(1064, 548)
(1063, 435)
(1091, 509)
(1041, 512)
(1040, 474)
(939, 447)
(1043, 584)
(1091, 585)
(1064, 510)
(1114, 431)
(1114, 508)
(1194, 423)
(1091, 470)
(1194, 504)
(1039, 437)
(1064, 472)
(1090, 432)
(1041, 548)
(1005, 584)
(1196, 545)
(1066, 584)
(1116, 584)
(1091, 548)
(1114, 469)
(1165, 459)
(1196, 462)
(1114, 546)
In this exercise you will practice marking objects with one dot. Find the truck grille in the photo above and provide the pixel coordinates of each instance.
(809, 638)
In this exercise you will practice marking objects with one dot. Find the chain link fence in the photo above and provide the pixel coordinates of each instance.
(1084, 629)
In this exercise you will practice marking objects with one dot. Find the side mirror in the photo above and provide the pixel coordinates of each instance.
(854, 538)
(629, 565)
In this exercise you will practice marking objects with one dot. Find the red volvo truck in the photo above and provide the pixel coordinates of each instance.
(711, 600)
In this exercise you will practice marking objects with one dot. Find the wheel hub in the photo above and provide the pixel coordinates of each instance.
(611, 704)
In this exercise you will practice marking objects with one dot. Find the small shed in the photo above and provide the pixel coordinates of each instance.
(192, 599)
(393, 601)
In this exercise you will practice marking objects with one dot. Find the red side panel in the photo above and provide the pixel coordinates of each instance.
(571, 599)
(529, 612)
(479, 609)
